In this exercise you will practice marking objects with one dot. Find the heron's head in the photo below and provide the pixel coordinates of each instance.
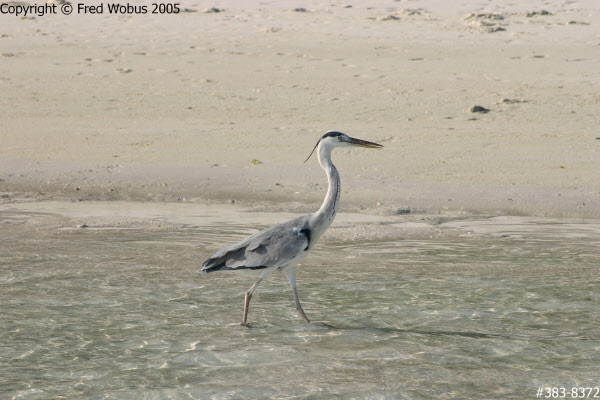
(338, 139)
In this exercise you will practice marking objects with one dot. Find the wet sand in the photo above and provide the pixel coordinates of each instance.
(72, 216)
(210, 107)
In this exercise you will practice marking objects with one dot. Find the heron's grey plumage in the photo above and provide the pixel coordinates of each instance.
(284, 246)
(274, 247)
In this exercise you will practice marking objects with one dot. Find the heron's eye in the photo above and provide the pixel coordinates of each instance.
(340, 138)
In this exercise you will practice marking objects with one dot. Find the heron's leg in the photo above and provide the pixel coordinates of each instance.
(249, 295)
(291, 275)
(247, 301)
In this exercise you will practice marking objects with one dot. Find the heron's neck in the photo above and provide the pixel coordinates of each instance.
(324, 217)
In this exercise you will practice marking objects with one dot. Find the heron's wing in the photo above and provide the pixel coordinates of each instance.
(273, 247)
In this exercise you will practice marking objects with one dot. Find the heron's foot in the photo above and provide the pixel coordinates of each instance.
(246, 324)
(301, 312)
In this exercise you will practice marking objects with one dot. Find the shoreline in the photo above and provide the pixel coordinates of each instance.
(255, 189)
(63, 216)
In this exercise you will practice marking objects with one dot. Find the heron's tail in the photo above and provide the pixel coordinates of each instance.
(214, 264)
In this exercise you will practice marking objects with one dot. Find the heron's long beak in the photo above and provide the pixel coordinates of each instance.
(364, 143)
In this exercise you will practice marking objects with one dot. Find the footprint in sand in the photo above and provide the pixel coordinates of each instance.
(485, 22)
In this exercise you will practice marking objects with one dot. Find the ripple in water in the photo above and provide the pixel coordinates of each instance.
(126, 313)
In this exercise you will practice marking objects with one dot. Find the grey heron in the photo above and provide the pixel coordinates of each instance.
(283, 246)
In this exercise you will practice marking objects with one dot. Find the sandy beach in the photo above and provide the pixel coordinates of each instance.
(225, 100)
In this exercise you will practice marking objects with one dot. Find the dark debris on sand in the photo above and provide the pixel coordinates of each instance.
(479, 109)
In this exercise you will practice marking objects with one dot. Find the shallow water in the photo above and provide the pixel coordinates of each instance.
(119, 310)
